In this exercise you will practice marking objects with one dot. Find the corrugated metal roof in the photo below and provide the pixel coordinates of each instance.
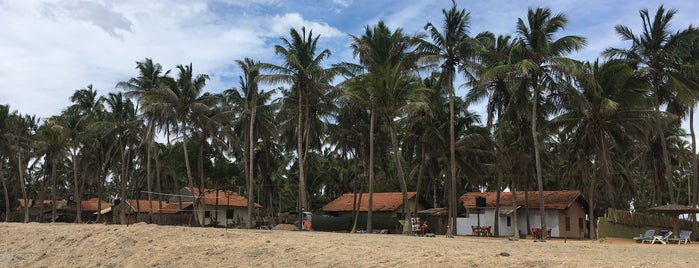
(382, 202)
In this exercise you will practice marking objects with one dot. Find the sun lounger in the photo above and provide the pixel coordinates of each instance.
(684, 238)
(647, 235)
(658, 238)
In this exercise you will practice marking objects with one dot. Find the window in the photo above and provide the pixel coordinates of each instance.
(229, 214)
(509, 221)
(567, 223)
(207, 214)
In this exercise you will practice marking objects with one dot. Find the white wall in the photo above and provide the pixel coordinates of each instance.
(463, 224)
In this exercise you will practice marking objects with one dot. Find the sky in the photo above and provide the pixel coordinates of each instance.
(49, 49)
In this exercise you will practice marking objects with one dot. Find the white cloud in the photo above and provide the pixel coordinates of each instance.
(280, 26)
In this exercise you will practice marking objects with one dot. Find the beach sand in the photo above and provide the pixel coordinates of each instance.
(147, 245)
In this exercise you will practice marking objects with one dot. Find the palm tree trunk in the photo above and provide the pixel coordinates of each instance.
(666, 156)
(251, 157)
(401, 175)
(76, 187)
(122, 191)
(370, 205)
(4, 189)
(420, 173)
(23, 186)
(537, 157)
(199, 214)
(300, 153)
(452, 158)
(158, 186)
(694, 199)
(149, 177)
(53, 188)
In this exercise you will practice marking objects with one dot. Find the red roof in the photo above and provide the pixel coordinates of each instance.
(552, 199)
(382, 202)
(172, 208)
(223, 198)
(143, 206)
(92, 204)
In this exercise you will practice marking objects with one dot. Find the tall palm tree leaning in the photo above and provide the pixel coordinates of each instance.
(658, 52)
(377, 49)
(303, 71)
(248, 85)
(543, 63)
(150, 78)
(182, 100)
(451, 47)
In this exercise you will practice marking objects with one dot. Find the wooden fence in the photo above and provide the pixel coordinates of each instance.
(643, 219)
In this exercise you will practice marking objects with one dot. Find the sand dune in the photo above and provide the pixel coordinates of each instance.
(143, 245)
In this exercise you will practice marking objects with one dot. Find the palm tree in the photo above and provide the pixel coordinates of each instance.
(20, 135)
(123, 123)
(248, 86)
(309, 82)
(150, 78)
(381, 52)
(51, 143)
(180, 101)
(5, 115)
(452, 46)
(542, 66)
(658, 53)
(606, 112)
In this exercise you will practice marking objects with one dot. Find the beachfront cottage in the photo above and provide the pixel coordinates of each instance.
(134, 210)
(216, 207)
(566, 213)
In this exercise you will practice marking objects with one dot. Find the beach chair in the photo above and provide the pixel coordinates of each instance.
(684, 238)
(662, 239)
(647, 235)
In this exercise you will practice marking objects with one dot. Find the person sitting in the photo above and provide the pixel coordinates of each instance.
(423, 228)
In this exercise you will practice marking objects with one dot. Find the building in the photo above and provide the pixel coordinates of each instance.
(566, 213)
(216, 207)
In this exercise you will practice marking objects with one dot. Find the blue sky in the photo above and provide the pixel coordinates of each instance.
(49, 49)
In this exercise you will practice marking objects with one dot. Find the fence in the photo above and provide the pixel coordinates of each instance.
(642, 219)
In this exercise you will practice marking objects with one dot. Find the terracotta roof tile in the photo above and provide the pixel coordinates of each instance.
(552, 199)
(92, 204)
(382, 202)
(143, 206)
(175, 207)
(223, 198)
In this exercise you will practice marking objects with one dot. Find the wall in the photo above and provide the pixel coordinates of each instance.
(606, 228)
(578, 224)
(240, 215)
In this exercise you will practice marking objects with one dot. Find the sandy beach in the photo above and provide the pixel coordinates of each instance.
(144, 245)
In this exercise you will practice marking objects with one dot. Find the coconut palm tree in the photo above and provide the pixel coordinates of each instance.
(181, 101)
(52, 144)
(150, 78)
(657, 52)
(541, 68)
(607, 111)
(381, 52)
(453, 48)
(309, 82)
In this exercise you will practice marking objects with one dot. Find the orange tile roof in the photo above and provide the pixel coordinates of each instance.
(143, 206)
(382, 202)
(172, 208)
(552, 199)
(92, 204)
(223, 198)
